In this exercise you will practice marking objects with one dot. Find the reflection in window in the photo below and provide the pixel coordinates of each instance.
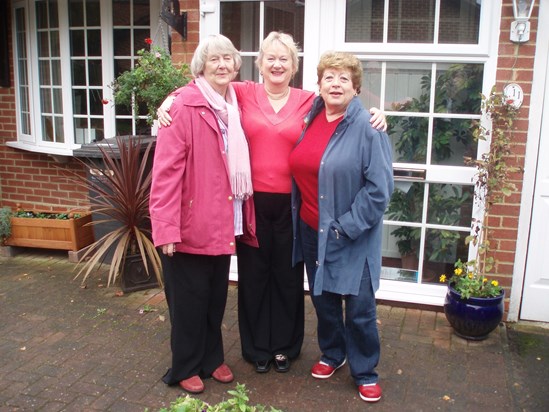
(453, 142)
(459, 21)
(457, 88)
(408, 87)
(442, 249)
(450, 204)
(411, 21)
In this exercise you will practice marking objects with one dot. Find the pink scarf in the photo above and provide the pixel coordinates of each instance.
(238, 153)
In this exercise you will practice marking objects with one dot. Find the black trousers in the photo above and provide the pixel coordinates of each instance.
(270, 291)
(196, 293)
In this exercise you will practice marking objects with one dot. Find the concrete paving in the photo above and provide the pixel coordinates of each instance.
(68, 348)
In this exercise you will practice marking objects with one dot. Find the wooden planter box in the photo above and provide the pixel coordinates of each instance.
(70, 234)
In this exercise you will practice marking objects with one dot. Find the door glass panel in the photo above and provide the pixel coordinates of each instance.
(371, 84)
(408, 136)
(442, 248)
(457, 88)
(240, 23)
(408, 87)
(450, 204)
(453, 142)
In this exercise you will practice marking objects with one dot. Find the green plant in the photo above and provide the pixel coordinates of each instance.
(122, 197)
(493, 184)
(238, 402)
(5, 224)
(144, 87)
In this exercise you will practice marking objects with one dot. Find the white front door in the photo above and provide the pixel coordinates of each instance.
(535, 299)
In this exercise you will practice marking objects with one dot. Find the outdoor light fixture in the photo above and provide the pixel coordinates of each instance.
(520, 28)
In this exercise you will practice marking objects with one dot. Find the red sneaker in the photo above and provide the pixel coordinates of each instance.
(223, 374)
(192, 385)
(322, 370)
(370, 393)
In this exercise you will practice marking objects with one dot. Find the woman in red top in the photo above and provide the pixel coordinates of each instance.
(270, 288)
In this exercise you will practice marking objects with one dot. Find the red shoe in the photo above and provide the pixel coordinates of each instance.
(192, 385)
(370, 393)
(223, 374)
(322, 370)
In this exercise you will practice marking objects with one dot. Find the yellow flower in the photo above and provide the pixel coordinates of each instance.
(442, 278)
(495, 283)
(458, 271)
(484, 280)
(470, 275)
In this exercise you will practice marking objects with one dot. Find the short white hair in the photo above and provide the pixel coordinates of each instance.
(213, 44)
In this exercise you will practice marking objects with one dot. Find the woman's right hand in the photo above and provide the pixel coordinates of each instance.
(164, 118)
(168, 249)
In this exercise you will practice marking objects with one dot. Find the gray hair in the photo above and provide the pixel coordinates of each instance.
(285, 40)
(213, 44)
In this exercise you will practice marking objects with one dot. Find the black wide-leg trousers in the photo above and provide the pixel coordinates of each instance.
(270, 291)
(196, 293)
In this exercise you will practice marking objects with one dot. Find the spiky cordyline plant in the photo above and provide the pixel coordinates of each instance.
(122, 192)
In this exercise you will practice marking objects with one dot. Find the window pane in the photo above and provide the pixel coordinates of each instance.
(93, 13)
(285, 16)
(450, 205)
(78, 71)
(43, 44)
(59, 131)
(57, 101)
(79, 101)
(54, 41)
(78, 47)
(76, 13)
(97, 130)
(408, 87)
(237, 16)
(458, 88)
(94, 42)
(453, 142)
(409, 138)
(56, 72)
(364, 21)
(406, 204)
(44, 68)
(122, 41)
(141, 13)
(121, 13)
(459, 21)
(96, 102)
(442, 249)
(371, 84)
(410, 22)
(95, 74)
(248, 70)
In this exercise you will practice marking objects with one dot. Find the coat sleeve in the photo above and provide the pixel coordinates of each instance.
(371, 200)
(167, 179)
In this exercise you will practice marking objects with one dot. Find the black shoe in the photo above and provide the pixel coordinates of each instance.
(282, 363)
(263, 366)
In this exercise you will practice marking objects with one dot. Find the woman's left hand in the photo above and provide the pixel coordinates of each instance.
(378, 120)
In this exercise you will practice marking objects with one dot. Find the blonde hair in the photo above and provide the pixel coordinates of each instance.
(215, 43)
(284, 39)
(341, 61)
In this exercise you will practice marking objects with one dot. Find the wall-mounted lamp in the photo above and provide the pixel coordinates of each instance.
(520, 28)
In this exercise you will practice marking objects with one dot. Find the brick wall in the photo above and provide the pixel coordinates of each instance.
(515, 64)
(182, 50)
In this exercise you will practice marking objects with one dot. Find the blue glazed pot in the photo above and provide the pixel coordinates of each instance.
(473, 318)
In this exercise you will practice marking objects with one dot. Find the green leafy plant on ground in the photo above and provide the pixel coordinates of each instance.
(5, 225)
(46, 215)
(238, 402)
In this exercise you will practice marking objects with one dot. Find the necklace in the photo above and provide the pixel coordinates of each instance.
(278, 96)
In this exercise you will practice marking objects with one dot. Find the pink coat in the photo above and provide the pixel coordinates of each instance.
(191, 201)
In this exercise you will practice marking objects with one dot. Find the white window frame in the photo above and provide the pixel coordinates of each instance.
(34, 141)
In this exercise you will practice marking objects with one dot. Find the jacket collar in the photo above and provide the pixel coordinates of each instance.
(355, 106)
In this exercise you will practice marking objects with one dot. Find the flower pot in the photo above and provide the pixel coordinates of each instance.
(135, 277)
(473, 318)
(70, 234)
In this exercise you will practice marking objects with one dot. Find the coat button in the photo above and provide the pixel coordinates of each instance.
(321, 230)
(230, 198)
(231, 244)
(322, 196)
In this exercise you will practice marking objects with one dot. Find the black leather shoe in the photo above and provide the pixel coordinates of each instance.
(282, 363)
(263, 366)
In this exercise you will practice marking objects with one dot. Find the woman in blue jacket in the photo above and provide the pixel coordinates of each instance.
(342, 169)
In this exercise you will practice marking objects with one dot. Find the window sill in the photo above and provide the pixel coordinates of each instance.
(48, 150)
